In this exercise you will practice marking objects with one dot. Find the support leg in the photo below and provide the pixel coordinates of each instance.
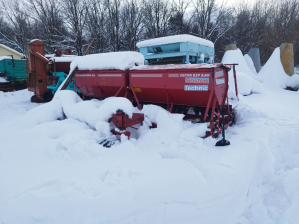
(223, 142)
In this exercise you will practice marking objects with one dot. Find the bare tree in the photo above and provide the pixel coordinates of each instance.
(250, 23)
(75, 17)
(15, 13)
(179, 23)
(283, 26)
(97, 25)
(131, 20)
(156, 17)
(113, 24)
(49, 24)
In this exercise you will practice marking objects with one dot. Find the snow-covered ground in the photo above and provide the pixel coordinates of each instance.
(54, 170)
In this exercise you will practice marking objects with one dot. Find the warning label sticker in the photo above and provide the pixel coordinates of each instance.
(197, 80)
(137, 90)
(195, 75)
(196, 87)
(220, 81)
(218, 74)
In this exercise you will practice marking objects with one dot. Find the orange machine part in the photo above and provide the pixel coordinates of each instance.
(37, 69)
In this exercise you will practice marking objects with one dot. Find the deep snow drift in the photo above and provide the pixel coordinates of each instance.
(273, 75)
(55, 171)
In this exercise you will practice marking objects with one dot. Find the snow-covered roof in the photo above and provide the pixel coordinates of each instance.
(34, 40)
(68, 58)
(12, 50)
(108, 61)
(181, 66)
(175, 39)
(4, 57)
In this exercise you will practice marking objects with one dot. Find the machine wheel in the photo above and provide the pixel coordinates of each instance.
(48, 96)
(34, 99)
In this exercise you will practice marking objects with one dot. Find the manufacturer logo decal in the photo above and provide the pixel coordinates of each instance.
(196, 87)
(197, 80)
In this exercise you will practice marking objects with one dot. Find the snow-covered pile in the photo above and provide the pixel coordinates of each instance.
(250, 63)
(246, 84)
(246, 79)
(96, 113)
(107, 61)
(273, 75)
(175, 39)
(68, 103)
(236, 57)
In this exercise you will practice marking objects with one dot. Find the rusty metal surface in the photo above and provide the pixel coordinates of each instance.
(37, 69)
(231, 47)
(287, 58)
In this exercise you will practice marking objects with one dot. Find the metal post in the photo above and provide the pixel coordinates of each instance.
(223, 142)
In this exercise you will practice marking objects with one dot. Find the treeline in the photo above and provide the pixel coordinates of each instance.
(117, 25)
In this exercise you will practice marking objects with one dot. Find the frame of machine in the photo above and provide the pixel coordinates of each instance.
(45, 75)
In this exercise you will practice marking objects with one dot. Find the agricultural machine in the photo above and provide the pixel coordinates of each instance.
(13, 74)
(178, 49)
(45, 74)
(191, 81)
(177, 88)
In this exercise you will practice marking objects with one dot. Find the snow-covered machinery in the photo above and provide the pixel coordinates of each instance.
(45, 74)
(178, 49)
(13, 74)
(177, 88)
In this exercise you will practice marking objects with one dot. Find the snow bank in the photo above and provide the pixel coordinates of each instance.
(171, 123)
(175, 39)
(246, 80)
(273, 75)
(68, 103)
(96, 113)
(108, 61)
(246, 84)
(57, 172)
(236, 57)
(250, 63)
